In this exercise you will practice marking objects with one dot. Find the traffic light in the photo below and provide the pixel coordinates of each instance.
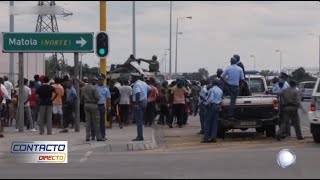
(102, 44)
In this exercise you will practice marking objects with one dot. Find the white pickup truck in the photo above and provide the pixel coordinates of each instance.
(259, 111)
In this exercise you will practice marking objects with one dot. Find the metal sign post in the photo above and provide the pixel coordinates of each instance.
(76, 86)
(21, 97)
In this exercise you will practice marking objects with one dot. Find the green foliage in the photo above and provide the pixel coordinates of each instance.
(267, 73)
(52, 68)
(300, 75)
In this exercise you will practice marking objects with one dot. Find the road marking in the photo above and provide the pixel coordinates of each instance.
(85, 157)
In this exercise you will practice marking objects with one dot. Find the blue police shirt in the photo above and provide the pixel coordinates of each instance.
(275, 88)
(104, 94)
(214, 95)
(71, 95)
(234, 73)
(203, 93)
(142, 88)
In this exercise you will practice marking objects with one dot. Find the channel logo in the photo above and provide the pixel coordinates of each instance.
(40, 151)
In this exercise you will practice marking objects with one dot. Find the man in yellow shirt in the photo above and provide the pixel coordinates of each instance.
(57, 103)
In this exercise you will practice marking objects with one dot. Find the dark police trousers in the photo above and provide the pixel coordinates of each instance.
(211, 122)
(290, 113)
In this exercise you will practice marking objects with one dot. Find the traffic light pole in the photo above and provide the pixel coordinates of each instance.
(76, 86)
(103, 62)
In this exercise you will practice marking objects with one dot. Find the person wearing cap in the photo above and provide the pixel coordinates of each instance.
(213, 101)
(139, 98)
(91, 97)
(57, 103)
(105, 97)
(231, 77)
(290, 103)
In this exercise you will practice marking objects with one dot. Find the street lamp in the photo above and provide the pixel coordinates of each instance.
(319, 48)
(280, 59)
(177, 32)
(254, 61)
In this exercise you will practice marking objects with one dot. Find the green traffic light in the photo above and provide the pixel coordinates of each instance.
(101, 51)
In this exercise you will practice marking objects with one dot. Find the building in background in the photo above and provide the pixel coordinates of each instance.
(34, 63)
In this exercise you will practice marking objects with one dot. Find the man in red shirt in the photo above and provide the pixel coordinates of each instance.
(151, 107)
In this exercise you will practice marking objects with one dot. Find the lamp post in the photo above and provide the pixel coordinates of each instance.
(319, 48)
(134, 29)
(177, 32)
(170, 42)
(278, 50)
(254, 61)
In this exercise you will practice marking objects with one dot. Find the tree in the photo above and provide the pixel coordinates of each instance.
(301, 75)
(267, 73)
(204, 73)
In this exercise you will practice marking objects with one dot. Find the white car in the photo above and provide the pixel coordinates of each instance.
(314, 113)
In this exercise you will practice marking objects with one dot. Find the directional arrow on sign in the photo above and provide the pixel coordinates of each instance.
(81, 41)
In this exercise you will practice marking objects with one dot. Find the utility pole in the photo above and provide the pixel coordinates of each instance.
(170, 51)
(11, 58)
(134, 29)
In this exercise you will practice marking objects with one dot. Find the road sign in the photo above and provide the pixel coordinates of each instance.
(47, 42)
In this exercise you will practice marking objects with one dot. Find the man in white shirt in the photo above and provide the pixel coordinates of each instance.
(8, 85)
(27, 110)
(125, 94)
(9, 88)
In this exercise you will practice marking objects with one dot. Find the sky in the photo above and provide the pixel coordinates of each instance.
(216, 32)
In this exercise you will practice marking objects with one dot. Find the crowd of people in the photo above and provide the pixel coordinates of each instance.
(137, 100)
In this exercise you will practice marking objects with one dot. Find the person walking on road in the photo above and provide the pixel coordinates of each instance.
(115, 98)
(202, 105)
(45, 109)
(69, 106)
(291, 103)
(212, 114)
(125, 94)
(139, 98)
(232, 75)
(91, 98)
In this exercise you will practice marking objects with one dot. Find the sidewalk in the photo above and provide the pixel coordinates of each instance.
(117, 139)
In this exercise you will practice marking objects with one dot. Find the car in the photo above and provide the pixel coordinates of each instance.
(306, 89)
(259, 110)
(314, 113)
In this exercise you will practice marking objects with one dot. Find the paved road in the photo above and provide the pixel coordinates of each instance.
(183, 157)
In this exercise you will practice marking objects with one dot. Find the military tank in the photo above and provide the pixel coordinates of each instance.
(132, 65)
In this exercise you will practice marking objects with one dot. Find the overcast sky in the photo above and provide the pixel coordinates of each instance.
(216, 32)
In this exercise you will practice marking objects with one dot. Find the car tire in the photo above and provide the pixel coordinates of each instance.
(315, 133)
(221, 130)
(244, 129)
(271, 131)
(260, 130)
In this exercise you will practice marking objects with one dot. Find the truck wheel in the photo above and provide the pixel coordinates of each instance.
(316, 137)
(260, 130)
(271, 131)
(221, 130)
